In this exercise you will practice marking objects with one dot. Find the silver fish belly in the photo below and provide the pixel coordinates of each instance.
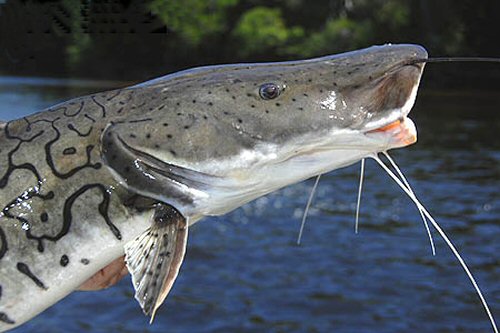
(128, 171)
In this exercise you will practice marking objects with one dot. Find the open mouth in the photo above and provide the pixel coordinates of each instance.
(400, 133)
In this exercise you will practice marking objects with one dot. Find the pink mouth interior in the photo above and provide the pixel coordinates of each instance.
(401, 131)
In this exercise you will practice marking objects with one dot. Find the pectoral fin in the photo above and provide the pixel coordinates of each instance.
(155, 257)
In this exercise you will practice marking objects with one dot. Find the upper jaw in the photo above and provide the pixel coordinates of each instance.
(399, 112)
(395, 129)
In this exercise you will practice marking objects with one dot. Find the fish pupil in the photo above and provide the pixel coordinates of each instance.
(269, 91)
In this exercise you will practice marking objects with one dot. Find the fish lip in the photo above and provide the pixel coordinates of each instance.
(375, 126)
(399, 133)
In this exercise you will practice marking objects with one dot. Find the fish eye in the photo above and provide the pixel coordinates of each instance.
(269, 91)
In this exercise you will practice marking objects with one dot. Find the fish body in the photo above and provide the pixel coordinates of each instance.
(128, 171)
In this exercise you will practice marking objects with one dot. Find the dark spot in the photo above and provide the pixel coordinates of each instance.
(335, 84)
(240, 121)
(44, 217)
(267, 111)
(178, 104)
(278, 104)
(321, 91)
(165, 124)
(306, 95)
(148, 136)
(186, 127)
(294, 100)
(349, 73)
(173, 152)
(133, 136)
(227, 90)
(23, 268)
(301, 108)
(157, 146)
(309, 80)
(370, 77)
(179, 114)
(210, 92)
(169, 136)
(126, 169)
(233, 97)
(194, 101)
(161, 107)
(226, 113)
(252, 106)
(85, 261)
(205, 117)
(64, 260)
(70, 150)
(4, 318)
(249, 95)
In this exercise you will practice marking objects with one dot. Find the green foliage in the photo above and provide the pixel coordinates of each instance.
(79, 41)
(139, 39)
(394, 13)
(263, 29)
(193, 19)
(338, 35)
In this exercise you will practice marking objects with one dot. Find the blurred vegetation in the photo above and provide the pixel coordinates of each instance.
(136, 40)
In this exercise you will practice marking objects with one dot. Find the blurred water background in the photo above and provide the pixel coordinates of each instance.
(244, 273)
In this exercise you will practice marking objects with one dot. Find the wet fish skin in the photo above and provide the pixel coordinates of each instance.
(60, 204)
(69, 174)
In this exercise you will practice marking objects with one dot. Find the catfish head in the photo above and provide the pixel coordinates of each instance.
(217, 137)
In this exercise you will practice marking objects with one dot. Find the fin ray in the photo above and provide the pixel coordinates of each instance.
(155, 257)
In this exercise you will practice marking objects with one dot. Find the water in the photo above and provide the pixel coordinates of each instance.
(244, 273)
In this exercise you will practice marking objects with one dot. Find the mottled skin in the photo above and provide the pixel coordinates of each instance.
(56, 195)
(66, 214)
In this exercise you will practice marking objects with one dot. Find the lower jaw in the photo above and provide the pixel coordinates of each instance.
(400, 133)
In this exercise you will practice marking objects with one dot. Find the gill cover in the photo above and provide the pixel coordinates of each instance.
(148, 176)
